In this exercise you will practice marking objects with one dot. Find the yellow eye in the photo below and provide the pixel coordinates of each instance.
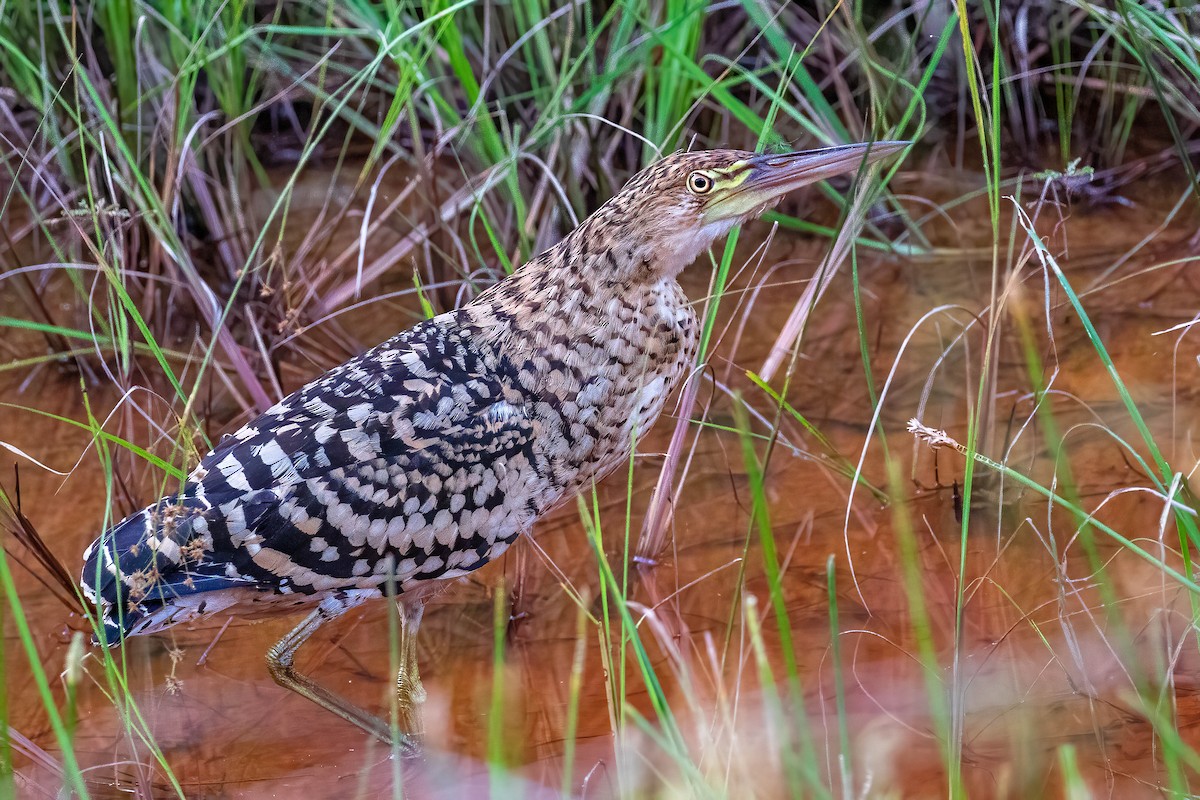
(699, 183)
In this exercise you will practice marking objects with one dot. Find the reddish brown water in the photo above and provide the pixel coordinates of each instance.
(1042, 662)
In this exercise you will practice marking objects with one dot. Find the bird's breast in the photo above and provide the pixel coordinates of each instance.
(600, 381)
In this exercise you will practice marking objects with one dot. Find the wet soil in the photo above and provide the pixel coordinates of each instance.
(1051, 652)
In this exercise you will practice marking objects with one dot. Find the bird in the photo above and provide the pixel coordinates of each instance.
(425, 457)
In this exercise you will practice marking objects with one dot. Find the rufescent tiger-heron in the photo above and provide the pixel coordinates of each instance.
(425, 457)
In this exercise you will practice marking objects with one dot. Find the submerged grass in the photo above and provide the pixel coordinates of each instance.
(159, 243)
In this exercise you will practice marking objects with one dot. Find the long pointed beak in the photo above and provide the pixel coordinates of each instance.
(770, 177)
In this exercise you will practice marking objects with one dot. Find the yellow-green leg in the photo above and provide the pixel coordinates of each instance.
(280, 661)
(410, 694)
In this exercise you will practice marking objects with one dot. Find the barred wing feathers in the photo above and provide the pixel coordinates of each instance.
(414, 459)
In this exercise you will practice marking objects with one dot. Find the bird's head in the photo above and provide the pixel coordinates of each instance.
(675, 208)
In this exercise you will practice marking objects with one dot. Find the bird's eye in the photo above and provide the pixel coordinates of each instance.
(699, 183)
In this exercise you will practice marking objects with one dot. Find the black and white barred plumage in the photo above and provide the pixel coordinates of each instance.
(421, 459)
(415, 460)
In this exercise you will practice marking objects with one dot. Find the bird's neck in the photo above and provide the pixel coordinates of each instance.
(590, 299)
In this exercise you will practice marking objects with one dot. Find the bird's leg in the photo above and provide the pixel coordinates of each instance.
(280, 661)
(409, 691)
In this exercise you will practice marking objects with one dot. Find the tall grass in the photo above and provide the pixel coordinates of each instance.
(202, 199)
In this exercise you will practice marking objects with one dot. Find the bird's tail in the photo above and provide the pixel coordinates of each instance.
(145, 563)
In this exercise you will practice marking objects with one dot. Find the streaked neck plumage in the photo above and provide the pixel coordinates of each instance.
(600, 333)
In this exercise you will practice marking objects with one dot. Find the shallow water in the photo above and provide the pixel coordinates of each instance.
(1042, 662)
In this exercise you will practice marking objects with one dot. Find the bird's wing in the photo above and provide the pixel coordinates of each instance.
(393, 453)
(404, 395)
(416, 449)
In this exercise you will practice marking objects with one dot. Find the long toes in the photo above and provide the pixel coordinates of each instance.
(410, 745)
